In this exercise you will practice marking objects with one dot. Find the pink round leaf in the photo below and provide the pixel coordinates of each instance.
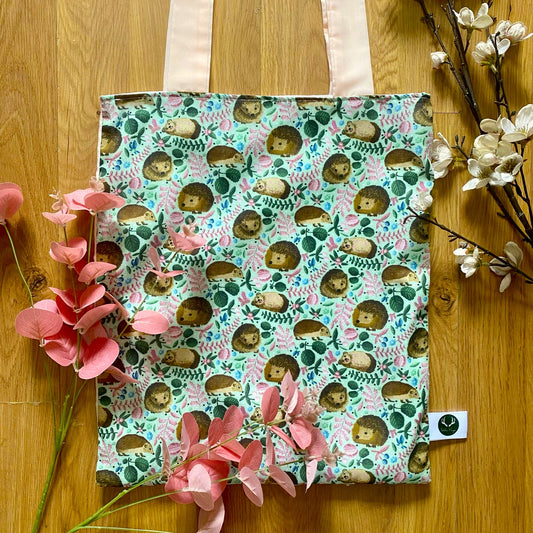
(98, 356)
(91, 295)
(121, 376)
(282, 479)
(62, 347)
(216, 428)
(102, 201)
(270, 404)
(212, 521)
(252, 456)
(251, 485)
(150, 322)
(49, 305)
(301, 432)
(11, 199)
(70, 254)
(94, 270)
(75, 200)
(38, 323)
(59, 218)
(310, 471)
(233, 419)
(200, 487)
(93, 316)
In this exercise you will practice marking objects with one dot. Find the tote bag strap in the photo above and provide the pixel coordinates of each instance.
(188, 52)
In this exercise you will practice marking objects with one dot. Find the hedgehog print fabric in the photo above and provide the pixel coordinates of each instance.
(311, 266)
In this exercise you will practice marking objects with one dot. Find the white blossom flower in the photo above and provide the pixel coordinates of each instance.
(468, 259)
(422, 201)
(522, 129)
(489, 125)
(441, 156)
(490, 150)
(438, 58)
(484, 175)
(514, 256)
(514, 31)
(509, 167)
(482, 20)
(485, 54)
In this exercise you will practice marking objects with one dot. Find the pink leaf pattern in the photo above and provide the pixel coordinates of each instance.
(198, 168)
(284, 339)
(373, 285)
(285, 225)
(375, 169)
(373, 398)
(342, 428)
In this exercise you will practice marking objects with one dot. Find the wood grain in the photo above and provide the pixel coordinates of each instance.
(58, 57)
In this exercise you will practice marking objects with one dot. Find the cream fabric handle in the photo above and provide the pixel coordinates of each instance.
(188, 53)
(346, 34)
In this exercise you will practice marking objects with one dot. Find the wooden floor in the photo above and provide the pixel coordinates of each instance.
(58, 56)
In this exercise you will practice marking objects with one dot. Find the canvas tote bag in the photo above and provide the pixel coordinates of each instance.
(311, 265)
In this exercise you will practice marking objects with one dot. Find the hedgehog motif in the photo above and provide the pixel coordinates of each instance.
(335, 284)
(248, 225)
(195, 197)
(248, 109)
(274, 187)
(337, 169)
(363, 130)
(284, 141)
(372, 200)
(359, 246)
(310, 214)
(283, 255)
(398, 275)
(182, 127)
(279, 365)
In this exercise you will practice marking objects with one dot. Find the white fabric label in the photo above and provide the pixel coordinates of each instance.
(448, 425)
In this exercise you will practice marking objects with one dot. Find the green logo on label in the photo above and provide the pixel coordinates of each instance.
(448, 424)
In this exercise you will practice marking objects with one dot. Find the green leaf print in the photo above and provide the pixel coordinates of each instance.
(311, 128)
(396, 420)
(322, 117)
(320, 233)
(408, 293)
(308, 357)
(131, 242)
(131, 126)
(142, 464)
(222, 185)
(144, 232)
(132, 357)
(319, 347)
(396, 303)
(398, 188)
(220, 298)
(408, 409)
(130, 474)
(142, 115)
(308, 243)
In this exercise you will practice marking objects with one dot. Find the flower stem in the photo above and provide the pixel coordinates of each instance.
(507, 215)
(114, 528)
(91, 229)
(470, 99)
(18, 264)
(518, 210)
(59, 442)
(454, 235)
(464, 70)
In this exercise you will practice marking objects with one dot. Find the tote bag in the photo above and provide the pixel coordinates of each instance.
(311, 267)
